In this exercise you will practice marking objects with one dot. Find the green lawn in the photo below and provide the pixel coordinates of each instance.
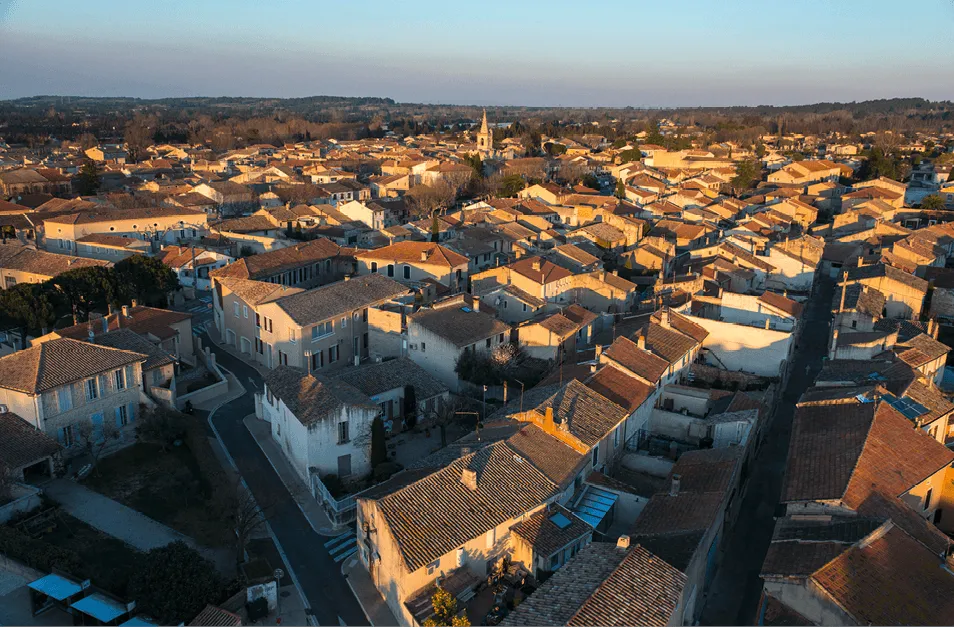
(167, 486)
(106, 560)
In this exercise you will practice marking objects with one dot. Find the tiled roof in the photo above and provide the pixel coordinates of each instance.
(877, 270)
(860, 297)
(588, 415)
(782, 303)
(372, 379)
(890, 580)
(275, 261)
(558, 462)
(686, 511)
(619, 387)
(438, 513)
(21, 444)
(669, 344)
(641, 362)
(58, 362)
(545, 536)
(213, 616)
(460, 328)
(313, 398)
(928, 346)
(256, 292)
(561, 596)
(411, 252)
(129, 340)
(328, 301)
(23, 259)
(548, 271)
(143, 320)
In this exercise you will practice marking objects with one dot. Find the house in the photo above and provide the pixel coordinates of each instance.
(159, 368)
(373, 214)
(192, 265)
(21, 264)
(557, 336)
(807, 171)
(59, 385)
(416, 262)
(438, 336)
(165, 225)
(324, 327)
(25, 452)
(304, 265)
(389, 383)
(510, 303)
(23, 181)
(607, 584)
(321, 425)
(548, 539)
(904, 293)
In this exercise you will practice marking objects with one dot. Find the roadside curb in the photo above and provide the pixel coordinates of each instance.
(321, 531)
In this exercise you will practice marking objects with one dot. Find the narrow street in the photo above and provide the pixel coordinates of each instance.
(734, 596)
(329, 595)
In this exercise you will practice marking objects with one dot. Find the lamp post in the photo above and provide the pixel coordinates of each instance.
(279, 573)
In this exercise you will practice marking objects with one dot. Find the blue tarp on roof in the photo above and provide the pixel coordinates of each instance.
(138, 621)
(100, 607)
(594, 505)
(56, 587)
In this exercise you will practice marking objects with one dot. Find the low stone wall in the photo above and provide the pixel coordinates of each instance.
(205, 357)
(25, 498)
(728, 378)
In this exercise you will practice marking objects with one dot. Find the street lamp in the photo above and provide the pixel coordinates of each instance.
(279, 573)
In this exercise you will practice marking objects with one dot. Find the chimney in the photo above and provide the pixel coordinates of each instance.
(347, 277)
(674, 486)
(664, 318)
(90, 334)
(622, 542)
(423, 255)
(860, 261)
(469, 478)
(844, 290)
(105, 324)
(125, 311)
(834, 344)
(768, 323)
(536, 265)
(548, 424)
(641, 341)
(598, 352)
(111, 309)
(135, 303)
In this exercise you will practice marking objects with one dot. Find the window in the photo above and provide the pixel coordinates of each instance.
(258, 320)
(235, 309)
(487, 342)
(268, 323)
(374, 266)
(66, 436)
(333, 354)
(64, 398)
(292, 336)
(433, 566)
(344, 322)
(268, 396)
(423, 347)
(555, 561)
(91, 391)
(407, 272)
(616, 438)
(505, 304)
(122, 416)
(390, 270)
(245, 310)
(927, 499)
(500, 339)
(120, 380)
(524, 306)
(321, 330)
(854, 324)
(342, 432)
(318, 360)
(364, 315)
(596, 455)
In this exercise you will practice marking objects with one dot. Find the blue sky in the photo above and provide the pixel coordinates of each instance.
(554, 52)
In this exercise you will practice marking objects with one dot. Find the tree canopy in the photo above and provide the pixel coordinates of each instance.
(511, 185)
(87, 180)
(145, 279)
(445, 611)
(933, 202)
(174, 583)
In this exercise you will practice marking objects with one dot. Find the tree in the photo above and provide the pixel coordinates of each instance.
(435, 228)
(445, 611)
(554, 149)
(746, 173)
(477, 165)
(244, 514)
(96, 438)
(424, 200)
(410, 406)
(87, 141)
(379, 451)
(760, 150)
(86, 289)
(139, 135)
(162, 426)
(174, 584)
(145, 279)
(590, 180)
(933, 202)
(511, 185)
(620, 189)
(27, 307)
(87, 180)
(633, 154)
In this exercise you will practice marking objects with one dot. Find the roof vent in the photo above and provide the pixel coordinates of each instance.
(674, 486)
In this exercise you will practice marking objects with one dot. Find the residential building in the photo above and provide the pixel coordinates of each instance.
(415, 263)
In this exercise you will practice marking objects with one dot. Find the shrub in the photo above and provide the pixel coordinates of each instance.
(174, 583)
(38, 554)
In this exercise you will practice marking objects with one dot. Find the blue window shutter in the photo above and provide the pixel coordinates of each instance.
(131, 413)
(60, 437)
(119, 418)
(97, 420)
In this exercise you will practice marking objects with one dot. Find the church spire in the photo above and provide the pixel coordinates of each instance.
(483, 124)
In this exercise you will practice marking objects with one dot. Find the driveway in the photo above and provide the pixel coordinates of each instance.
(327, 591)
(734, 596)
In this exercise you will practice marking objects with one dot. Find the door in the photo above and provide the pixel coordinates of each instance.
(344, 465)
(97, 420)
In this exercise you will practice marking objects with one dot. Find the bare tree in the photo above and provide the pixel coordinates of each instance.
(245, 514)
(139, 135)
(87, 141)
(423, 200)
(95, 440)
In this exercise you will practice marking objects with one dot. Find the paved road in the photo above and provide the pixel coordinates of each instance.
(320, 577)
(734, 596)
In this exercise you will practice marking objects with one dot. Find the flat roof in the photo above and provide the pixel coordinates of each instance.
(56, 586)
(100, 607)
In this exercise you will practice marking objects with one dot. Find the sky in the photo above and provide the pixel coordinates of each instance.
(610, 53)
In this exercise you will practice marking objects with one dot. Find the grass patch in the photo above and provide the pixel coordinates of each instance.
(167, 486)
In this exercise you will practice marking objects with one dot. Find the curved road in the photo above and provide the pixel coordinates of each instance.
(329, 595)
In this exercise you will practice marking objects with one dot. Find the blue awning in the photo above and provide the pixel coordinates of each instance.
(56, 586)
(100, 607)
(594, 505)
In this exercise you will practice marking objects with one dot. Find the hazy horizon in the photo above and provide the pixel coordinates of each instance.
(681, 54)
